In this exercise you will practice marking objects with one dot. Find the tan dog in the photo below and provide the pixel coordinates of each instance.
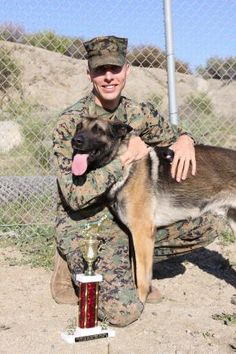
(148, 197)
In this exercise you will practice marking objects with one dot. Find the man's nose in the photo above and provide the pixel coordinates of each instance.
(108, 75)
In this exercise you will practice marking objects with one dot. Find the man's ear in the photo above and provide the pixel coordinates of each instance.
(119, 129)
(127, 69)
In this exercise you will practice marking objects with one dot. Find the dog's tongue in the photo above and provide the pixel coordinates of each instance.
(79, 164)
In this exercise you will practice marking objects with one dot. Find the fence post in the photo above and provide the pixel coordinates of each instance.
(173, 115)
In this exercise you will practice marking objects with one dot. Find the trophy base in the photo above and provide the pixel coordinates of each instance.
(86, 334)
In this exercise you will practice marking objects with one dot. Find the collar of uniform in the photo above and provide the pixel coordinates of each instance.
(96, 110)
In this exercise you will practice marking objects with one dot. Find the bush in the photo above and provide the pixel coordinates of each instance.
(144, 56)
(35, 152)
(199, 103)
(150, 56)
(48, 40)
(35, 242)
(147, 56)
(219, 68)
(156, 100)
(76, 49)
(9, 71)
(11, 33)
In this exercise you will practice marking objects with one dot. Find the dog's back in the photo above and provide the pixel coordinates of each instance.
(216, 170)
(149, 182)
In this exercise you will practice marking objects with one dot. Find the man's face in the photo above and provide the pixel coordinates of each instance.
(108, 82)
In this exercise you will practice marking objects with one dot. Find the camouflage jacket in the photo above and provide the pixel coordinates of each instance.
(80, 201)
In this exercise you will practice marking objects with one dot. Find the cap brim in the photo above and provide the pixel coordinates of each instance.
(97, 61)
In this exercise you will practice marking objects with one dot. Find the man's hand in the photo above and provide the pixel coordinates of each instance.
(135, 151)
(184, 157)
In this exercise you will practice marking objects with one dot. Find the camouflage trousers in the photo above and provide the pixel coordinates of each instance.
(118, 300)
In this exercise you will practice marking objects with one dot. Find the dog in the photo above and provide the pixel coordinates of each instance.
(147, 197)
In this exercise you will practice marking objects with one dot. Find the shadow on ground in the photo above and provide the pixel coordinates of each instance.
(209, 261)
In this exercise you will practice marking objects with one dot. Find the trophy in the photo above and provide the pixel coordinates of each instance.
(87, 325)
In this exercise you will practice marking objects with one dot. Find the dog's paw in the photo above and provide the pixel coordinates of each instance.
(143, 293)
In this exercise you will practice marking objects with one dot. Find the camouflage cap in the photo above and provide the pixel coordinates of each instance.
(108, 50)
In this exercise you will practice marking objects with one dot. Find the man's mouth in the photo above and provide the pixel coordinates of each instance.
(109, 87)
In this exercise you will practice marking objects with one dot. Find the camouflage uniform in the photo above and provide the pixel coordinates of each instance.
(77, 207)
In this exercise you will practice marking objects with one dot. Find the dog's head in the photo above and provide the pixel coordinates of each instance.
(96, 142)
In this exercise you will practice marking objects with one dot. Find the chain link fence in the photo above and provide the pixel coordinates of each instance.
(43, 73)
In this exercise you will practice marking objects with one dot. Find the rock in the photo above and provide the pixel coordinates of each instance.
(10, 135)
(233, 299)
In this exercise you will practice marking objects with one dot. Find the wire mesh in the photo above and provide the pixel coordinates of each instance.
(43, 73)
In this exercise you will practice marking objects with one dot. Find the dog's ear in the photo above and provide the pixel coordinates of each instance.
(164, 153)
(119, 129)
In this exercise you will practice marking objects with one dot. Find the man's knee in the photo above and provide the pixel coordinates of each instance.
(120, 314)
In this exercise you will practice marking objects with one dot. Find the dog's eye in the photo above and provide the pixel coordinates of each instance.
(97, 130)
(79, 126)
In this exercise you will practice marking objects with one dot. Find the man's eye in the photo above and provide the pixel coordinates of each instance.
(99, 71)
(116, 69)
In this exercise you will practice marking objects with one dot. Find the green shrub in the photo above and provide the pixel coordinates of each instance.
(30, 209)
(199, 103)
(48, 40)
(42, 155)
(28, 116)
(11, 33)
(150, 56)
(219, 68)
(156, 100)
(76, 49)
(229, 319)
(145, 56)
(28, 225)
(36, 149)
(227, 237)
(9, 71)
(35, 242)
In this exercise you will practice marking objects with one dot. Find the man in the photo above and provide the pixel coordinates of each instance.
(77, 209)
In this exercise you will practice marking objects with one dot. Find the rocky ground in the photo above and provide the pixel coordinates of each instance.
(195, 316)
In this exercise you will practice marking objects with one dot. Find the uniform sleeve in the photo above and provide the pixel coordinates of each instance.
(79, 192)
(153, 128)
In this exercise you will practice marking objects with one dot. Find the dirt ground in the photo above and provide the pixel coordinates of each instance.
(194, 288)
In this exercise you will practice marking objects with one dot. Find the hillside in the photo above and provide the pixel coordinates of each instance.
(56, 81)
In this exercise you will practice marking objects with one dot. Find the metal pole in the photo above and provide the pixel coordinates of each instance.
(173, 115)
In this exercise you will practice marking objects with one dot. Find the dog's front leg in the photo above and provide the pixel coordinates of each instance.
(143, 239)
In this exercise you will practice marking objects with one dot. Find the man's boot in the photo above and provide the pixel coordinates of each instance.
(62, 287)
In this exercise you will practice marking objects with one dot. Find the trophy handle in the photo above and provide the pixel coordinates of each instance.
(100, 245)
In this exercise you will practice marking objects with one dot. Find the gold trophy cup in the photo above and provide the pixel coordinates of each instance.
(90, 253)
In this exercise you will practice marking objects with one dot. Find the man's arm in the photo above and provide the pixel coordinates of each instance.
(154, 129)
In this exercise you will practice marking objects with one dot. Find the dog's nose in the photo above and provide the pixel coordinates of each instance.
(78, 140)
